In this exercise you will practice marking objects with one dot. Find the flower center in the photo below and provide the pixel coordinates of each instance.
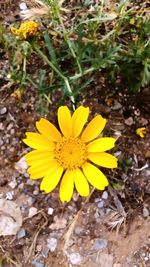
(71, 153)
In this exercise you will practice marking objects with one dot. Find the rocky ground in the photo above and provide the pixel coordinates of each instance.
(110, 228)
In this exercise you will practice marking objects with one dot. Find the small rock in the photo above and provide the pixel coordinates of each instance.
(1, 142)
(145, 212)
(10, 126)
(45, 251)
(9, 195)
(97, 199)
(116, 106)
(13, 184)
(23, 6)
(3, 110)
(78, 230)
(50, 211)
(100, 204)
(52, 243)
(75, 258)
(32, 212)
(105, 195)
(21, 233)
(10, 218)
(100, 244)
(21, 166)
(36, 192)
(37, 264)
(147, 154)
(1, 126)
(39, 248)
(104, 260)
(117, 265)
(12, 131)
(129, 121)
(143, 121)
(59, 223)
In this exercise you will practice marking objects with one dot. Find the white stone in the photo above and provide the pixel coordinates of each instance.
(9, 195)
(52, 243)
(75, 258)
(32, 212)
(13, 184)
(50, 211)
(23, 6)
(105, 195)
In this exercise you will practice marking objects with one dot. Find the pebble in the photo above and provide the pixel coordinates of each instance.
(1, 142)
(105, 195)
(75, 258)
(100, 204)
(9, 195)
(36, 192)
(59, 223)
(21, 233)
(32, 212)
(1, 126)
(23, 6)
(116, 106)
(104, 260)
(50, 211)
(129, 121)
(52, 243)
(117, 265)
(145, 212)
(13, 184)
(10, 126)
(37, 264)
(45, 251)
(3, 110)
(100, 244)
(143, 121)
(78, 230)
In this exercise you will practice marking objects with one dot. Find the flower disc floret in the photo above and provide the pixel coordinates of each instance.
(72, 155)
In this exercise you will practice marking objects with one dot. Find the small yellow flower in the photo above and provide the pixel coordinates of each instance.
(70, 156)
(141, 132)
(26, 30)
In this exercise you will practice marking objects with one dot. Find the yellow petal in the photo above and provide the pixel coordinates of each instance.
(64, 120)
(38, 156)
(67, 186)
(37, 171)
(51, 179)
(95, 177)
(37, 141)
(48, 130)
(101, 144)
(79, 118)
(93, 129)
(81, 183)
(103, 159)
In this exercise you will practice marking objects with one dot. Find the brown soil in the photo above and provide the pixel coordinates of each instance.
(131, 182)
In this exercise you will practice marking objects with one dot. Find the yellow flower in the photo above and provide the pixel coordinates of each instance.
(141, 132)
(26, 30)
(70, 157)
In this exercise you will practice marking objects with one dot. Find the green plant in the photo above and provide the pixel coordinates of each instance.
(115, 42)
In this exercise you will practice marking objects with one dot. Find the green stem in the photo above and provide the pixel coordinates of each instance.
(68, 41)
(59, 73)
(79, 75)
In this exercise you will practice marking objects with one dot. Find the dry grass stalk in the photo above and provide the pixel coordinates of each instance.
(38, 9)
